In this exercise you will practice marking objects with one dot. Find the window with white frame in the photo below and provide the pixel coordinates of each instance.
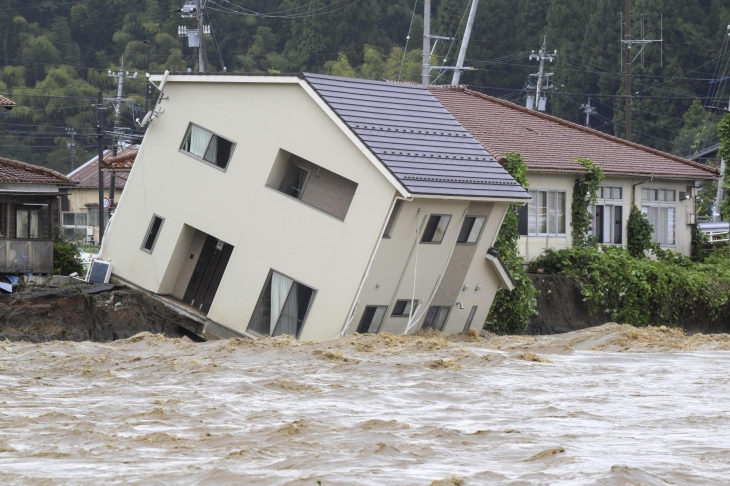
(660, 208)
(608, 215)
(545, 214)
(207, 146)
(75, 226)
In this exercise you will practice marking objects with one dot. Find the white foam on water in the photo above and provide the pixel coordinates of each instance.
(367, 410)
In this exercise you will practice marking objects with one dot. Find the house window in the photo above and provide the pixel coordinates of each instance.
(294, 181)
(29, 223)
(608, 224)
(659, 206)
(546, 213)
(663, 221)
(393, 218)
(282, 307)
(207, 146)
(435, 228)
(471, 229)
(470, 319)
(76, 225)
(402, 308)
(152, 232)
(372, 318)
(436, 317)
(610, 192)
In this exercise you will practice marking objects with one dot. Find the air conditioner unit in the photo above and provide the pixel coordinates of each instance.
(99, 272)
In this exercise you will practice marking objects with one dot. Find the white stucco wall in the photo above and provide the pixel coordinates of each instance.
(267, 229)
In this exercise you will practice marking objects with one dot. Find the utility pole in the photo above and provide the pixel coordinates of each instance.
(72, 146)
(426, 66)
(202, 58)
(100, 137)
(588, 110)
(542, 77)
(118, 101)
(627, 69)
(465, 43)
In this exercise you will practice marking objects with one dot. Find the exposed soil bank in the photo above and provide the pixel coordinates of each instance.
(561, 309)
(48, 314)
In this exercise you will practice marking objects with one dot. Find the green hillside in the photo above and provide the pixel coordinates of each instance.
(56, 55)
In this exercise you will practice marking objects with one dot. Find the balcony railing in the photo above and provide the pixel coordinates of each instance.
(22, 256)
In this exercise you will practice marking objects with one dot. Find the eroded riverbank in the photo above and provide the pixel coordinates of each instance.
(608, 405)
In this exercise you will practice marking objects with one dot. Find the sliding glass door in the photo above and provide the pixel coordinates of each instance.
(282, 307)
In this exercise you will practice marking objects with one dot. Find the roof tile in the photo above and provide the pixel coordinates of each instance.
(15, 171)
(551, 144)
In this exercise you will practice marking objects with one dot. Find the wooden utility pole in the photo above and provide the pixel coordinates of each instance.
(627, 37)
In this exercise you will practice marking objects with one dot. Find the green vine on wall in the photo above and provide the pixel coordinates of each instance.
(584, 196)
(638, 233)
(511, 311)
(723, 130)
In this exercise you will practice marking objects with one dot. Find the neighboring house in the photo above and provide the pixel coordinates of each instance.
(6, 103)
(29, 202)
(664, 186)
(311, 205)
(81, 208)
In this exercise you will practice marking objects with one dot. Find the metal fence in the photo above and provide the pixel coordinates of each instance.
(23, 256)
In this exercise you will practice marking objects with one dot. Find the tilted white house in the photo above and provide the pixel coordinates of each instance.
(313, 206)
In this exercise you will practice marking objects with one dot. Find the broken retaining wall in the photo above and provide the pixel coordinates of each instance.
(46, 314)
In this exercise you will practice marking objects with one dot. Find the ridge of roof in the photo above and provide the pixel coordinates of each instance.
(575, 126)
(39, 174)
(6, 102)
(415, 138)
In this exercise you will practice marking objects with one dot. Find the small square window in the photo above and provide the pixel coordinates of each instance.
(671, 196)
(435, 228)
(662, 195)
(645, 194)
(654, 194)
(471, 229)
(294, 181)
(402, 308)
(207, 146)
(617, 193)
(152, 232)
(599, 192)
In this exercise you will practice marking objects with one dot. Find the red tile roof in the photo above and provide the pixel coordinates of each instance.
(4, 102)
(550, 144)
(14, 171)
(123, 160)
(87, 176)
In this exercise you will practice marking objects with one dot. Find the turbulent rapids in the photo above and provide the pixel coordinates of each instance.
(609, 405)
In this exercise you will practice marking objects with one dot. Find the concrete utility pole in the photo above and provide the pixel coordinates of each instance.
(465, 43)
(627, 69)
(542, 77)
(118, 101)
(202, 58)
(100, 136)
(72, 146)
(426, 66)
(588, 110)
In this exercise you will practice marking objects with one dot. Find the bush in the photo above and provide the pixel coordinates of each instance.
(511, 311)
(65, 261)
(638, 233)
(641, 291)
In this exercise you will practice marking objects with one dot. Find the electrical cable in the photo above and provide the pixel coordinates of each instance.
(408, 37)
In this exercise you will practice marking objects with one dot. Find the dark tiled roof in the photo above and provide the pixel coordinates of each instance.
(415, 138)
(87, 176)
(6, 102)
(22, 173)
(547, 143)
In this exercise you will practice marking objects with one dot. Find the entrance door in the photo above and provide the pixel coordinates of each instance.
(208, 273)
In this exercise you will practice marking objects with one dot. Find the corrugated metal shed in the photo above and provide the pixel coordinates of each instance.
(416, 138)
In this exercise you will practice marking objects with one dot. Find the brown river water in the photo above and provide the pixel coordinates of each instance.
(607, 405)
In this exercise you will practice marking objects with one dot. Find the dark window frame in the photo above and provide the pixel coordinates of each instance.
(304, 186)
(364, 313)
(479, 235)
(263, 291)
(397, 302)
(148, 234)
(429, 323)
(393, 219)
(201, 159)
(430, 217)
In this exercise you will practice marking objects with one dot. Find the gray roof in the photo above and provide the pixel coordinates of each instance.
(416, 138)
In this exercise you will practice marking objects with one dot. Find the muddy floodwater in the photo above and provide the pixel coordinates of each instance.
(608, 405)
